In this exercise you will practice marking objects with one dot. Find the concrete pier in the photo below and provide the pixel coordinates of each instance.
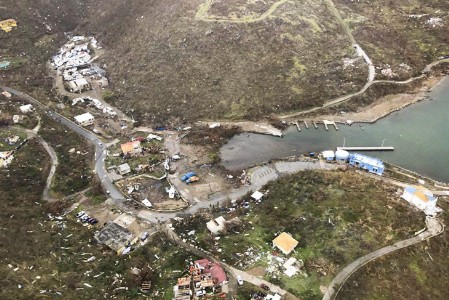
(314, 124)
(366, 148)
(305, 124)
(335, 125)
(297, 126)
(325, 126)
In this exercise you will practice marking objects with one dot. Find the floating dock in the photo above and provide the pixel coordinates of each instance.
(366, 148)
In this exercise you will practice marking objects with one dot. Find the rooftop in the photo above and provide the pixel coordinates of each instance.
(285, 242)
(367, 160)
(130, 146)
(421, 193)
(84, 117)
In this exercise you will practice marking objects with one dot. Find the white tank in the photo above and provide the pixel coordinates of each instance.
(341, 155)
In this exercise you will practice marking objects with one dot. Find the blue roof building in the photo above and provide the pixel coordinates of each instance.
(371, 164)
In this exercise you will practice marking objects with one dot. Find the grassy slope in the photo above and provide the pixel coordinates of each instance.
(164, 63)
(366, 216)
(418, 272)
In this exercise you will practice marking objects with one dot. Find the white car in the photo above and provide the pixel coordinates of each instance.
(200, 293)
(239, 280)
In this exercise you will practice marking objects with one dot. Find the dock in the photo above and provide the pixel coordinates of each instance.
(325, 126)
(297, 126)
(366, 148)
(305, 124)
(314, 124)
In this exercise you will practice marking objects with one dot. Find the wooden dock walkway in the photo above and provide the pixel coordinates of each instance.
(366, 148)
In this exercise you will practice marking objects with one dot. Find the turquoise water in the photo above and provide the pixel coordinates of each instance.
(419, 133)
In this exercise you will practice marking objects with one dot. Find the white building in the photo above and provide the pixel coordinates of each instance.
(26, 108)
(422, 199)
(328, 155)
(85, 119)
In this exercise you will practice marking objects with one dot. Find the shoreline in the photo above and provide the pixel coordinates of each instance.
(383, 106)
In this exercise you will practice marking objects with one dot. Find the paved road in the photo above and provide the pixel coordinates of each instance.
(434, 228)
(100, 149)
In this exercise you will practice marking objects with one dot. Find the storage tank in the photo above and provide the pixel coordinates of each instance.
(341, 155)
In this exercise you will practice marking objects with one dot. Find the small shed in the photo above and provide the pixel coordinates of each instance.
(372, 165)
(341, 155)
(257, 195)
(85, 119)
(285, 242)
(328, 155)
(124, 169)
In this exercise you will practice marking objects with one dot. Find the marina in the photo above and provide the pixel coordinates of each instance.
(418, 135)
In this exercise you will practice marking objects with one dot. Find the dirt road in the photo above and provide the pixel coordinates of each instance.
(434, 228)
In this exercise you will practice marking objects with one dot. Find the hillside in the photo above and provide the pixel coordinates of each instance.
(179, 61)
(185, 60)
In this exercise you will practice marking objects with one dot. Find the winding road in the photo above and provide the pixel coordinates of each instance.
(205, 7)
(100, 148)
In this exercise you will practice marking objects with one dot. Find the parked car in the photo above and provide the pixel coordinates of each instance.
(200, 293)
(188, 176)
(93, 221)
(192, 179)
(239, 280)
(264, 286)
(80, 214)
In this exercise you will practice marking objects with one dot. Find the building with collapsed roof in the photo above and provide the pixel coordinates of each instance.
(216, 226)
(214, 269)
(78, 85)
(115, 237)
(422, 198)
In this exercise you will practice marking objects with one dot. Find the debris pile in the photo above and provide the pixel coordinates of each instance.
(89, 101)
(74, 60)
